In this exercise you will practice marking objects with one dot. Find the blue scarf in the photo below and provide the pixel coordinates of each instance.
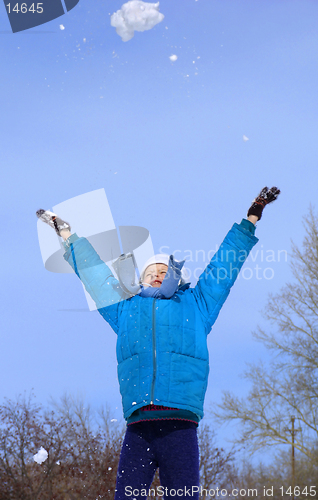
(170, 283)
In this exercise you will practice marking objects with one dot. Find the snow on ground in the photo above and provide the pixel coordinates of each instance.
(135, 15)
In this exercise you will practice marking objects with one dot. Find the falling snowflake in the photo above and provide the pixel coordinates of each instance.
(245, 139)
(173, 57)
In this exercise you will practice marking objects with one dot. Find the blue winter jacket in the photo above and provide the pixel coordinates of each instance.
(162, 343)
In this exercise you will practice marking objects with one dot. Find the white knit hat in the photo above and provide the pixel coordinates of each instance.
(163, 258)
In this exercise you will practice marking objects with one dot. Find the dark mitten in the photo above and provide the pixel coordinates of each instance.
(265, 197)
(53, 220)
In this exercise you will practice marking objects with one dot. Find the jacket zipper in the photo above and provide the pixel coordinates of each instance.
(154, 353)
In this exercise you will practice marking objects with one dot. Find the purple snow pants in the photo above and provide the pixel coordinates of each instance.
(171, 445)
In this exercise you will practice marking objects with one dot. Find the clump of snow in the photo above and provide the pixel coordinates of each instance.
(40, 456)
(245, 139)
(114, 420)
(62, 27)
(173, 57)
(135, 15)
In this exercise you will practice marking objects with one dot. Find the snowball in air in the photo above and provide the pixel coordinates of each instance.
(135, 15)
(245, 139)
(173, 57)
(40, 456)
(62, 27)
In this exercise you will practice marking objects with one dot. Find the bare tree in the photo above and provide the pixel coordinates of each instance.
(91, 465)
(22, 431)
(274, 480)
(82, 456)
(216, 465)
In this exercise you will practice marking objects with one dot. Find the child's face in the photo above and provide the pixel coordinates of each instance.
(155, 274)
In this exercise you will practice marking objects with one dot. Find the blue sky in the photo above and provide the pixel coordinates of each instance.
(76, 111)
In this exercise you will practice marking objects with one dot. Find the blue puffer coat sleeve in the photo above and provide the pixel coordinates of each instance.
(97, 278)
(215, 282)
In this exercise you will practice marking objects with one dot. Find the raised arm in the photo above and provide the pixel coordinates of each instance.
(215, 282)
(95, 275)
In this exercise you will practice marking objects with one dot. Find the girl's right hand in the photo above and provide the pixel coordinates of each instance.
(61, 227)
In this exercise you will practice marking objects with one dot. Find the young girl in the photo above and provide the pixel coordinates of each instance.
(163, 360)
